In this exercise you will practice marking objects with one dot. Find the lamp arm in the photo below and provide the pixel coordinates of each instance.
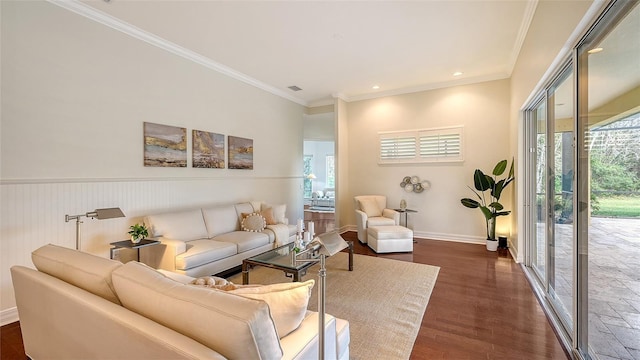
(77, 218)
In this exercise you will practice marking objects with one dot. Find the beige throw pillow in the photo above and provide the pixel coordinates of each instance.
(278, 212)
(370, 207)
(287, 302)
(268, 216)
(253, 222)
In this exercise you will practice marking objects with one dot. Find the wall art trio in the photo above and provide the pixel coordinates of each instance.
(166, 146)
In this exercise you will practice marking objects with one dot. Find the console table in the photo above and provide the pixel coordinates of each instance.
(130, 245)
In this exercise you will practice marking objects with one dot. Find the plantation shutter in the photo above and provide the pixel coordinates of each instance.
(421, 146)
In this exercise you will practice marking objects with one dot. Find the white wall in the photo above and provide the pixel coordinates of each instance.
(482, 108)
(75, 94)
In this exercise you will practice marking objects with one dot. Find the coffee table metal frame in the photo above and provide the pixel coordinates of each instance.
(280, 259)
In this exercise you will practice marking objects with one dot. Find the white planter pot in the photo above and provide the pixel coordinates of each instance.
(492, 245)
(136, 240)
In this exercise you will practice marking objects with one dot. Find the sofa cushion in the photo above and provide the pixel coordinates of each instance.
(86, 271)
(183, 225)
(380, 221)
(221, 219)
(244, 240)
(287, 302)
(237, 327)
(370, 207)
(204, 251)
(243, 208)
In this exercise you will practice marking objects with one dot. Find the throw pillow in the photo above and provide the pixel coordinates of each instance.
(278, 212)
(268, 216)
(370, 207)
(287, 302)
(253, 222)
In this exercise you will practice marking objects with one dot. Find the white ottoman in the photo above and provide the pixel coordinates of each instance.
(391, 238)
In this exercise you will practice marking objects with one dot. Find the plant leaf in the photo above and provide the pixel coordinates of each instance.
(503, 213)
(496, 205)
(501, 166)
(475, 192)
(511, 170)
(470, 203)
(480, 181)
(487, 213)
(497, 189)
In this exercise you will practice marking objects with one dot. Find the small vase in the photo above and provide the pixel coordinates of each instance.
(135, 239)
(403, 204)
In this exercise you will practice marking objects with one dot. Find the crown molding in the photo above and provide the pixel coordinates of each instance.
(98, 16)
(427, 87)
(529, 12)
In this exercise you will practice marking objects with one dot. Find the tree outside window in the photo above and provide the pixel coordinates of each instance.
(307, 170)
(331, 173)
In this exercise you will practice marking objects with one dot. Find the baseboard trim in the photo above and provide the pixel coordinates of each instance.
(431, 236)
(9, 316)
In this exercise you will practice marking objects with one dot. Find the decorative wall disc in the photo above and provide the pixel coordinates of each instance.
(413, 184)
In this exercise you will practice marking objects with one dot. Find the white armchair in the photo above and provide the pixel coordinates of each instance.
(371, 210)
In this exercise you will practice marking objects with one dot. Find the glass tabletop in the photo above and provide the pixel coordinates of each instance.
(282, 257)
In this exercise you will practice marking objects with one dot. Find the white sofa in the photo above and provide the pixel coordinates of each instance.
(371, 210)
(80, 306)
(209, 240)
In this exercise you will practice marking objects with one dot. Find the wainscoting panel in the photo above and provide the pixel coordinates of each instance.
(33, 212)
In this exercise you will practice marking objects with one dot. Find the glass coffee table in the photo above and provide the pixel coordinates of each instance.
(281, 259)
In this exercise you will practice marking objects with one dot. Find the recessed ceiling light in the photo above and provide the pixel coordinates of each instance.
(375, 87)
(294, 88)
(595, 50)
(457, 73)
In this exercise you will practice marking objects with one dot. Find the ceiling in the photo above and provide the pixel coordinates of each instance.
(338, 49)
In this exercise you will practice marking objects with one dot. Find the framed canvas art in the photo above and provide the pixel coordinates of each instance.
(208, 150)
(240, 153)
(164, 145)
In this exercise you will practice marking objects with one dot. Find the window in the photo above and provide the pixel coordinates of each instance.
(307, 170)
(331, 173)
(421, 146)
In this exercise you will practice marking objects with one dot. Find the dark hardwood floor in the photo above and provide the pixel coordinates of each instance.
(482, 307)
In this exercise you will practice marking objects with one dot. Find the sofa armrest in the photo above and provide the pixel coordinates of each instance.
(163, 256)
(392, 214)
(361, 223)
(303, 343)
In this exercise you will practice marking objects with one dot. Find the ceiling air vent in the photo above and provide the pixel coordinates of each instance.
(294, 88)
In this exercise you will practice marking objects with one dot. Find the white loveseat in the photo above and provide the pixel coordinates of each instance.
(80, 306)
(209, 240)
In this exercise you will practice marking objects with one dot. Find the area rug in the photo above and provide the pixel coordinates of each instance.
(384, 300)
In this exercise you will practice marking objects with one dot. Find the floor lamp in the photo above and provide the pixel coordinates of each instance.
(99, 214)
(323, 246)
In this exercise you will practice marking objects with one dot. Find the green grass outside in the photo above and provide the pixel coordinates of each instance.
(618, 206)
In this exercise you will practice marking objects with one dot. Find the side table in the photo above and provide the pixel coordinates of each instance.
(129, 245)
(405, 212)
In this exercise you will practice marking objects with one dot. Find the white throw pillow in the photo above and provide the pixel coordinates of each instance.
(287, 302)
(370, 207)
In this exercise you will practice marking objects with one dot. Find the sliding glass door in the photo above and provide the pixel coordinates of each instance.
(560, 156)
(583, 178)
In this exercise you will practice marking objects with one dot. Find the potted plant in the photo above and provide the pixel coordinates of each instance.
(490, 205)
(138, 232)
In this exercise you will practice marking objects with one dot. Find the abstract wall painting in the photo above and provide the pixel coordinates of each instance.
(164, 145)
(208, 150)
(240, 153)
